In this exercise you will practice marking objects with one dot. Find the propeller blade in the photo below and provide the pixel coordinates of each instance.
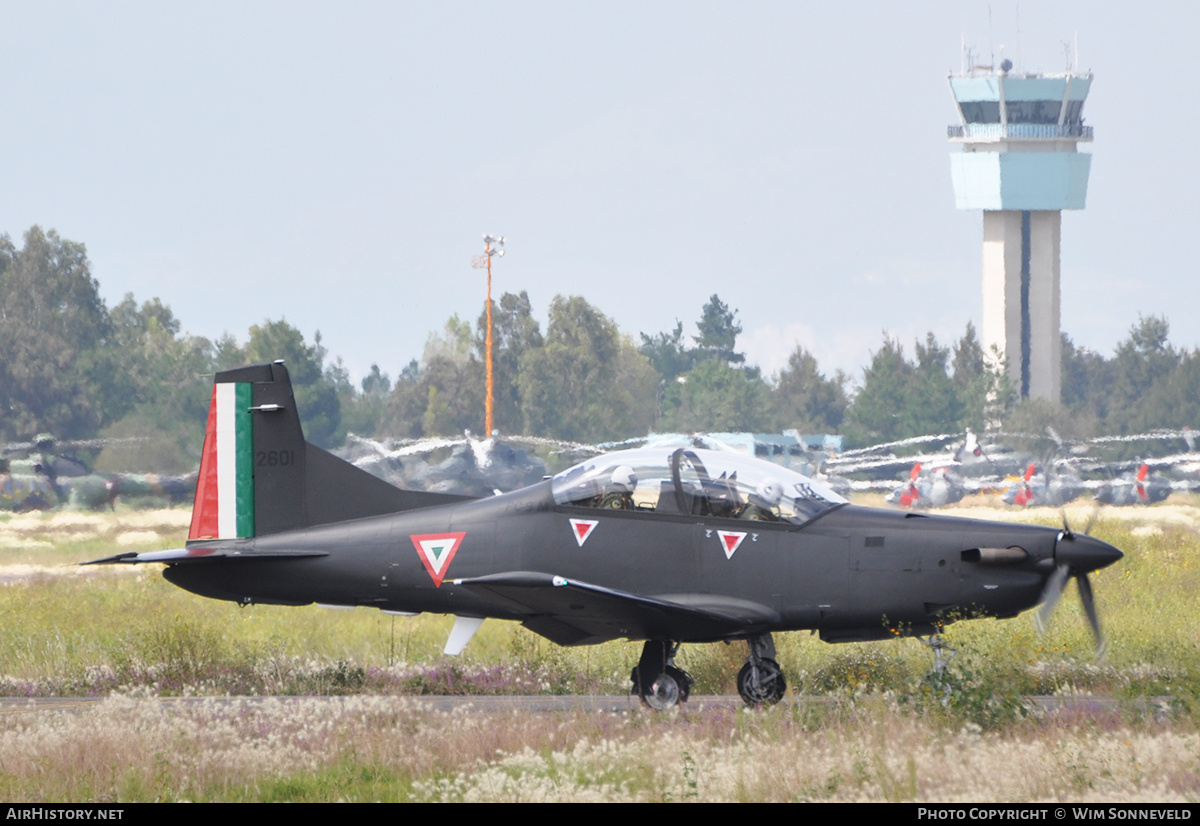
(1089, 607)
(1050, 596)
(1092, 517)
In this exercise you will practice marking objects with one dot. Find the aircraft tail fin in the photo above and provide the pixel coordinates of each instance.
(258, 476)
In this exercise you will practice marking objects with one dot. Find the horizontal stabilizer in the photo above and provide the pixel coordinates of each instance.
(196, 554)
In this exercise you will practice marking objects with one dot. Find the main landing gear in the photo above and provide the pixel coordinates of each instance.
(761, 682)
(661, 684)
(657, 680)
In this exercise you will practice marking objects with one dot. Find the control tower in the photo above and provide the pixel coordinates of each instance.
(1019, 164)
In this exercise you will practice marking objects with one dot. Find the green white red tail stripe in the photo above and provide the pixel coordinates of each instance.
(224, 507)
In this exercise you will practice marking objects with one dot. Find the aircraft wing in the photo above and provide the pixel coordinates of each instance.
(571, 612)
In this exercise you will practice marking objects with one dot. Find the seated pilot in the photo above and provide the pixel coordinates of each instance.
(764, 502)
(619, 493)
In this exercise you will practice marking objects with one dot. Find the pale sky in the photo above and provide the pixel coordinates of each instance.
(336, 164)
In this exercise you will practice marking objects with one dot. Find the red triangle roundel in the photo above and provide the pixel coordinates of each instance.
(436, 550)
(730, 540)
(581, 529)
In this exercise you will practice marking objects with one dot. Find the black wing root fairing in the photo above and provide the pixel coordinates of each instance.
(570, 612)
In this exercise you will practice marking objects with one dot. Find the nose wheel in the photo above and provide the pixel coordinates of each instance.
(761, 681)
(657, 680)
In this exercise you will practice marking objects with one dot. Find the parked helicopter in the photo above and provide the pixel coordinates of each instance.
(1138, 487)
(934, 488)
(1054, 488)
(42, 474)
(969, 456)
(668, 546)
(473, 467)
(21, 490)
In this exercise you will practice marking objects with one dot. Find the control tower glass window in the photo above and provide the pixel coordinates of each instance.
(981, 111)
(1033, 111)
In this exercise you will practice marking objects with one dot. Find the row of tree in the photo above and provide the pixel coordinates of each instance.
(587, 381)
(1147, 384)
(75, 368)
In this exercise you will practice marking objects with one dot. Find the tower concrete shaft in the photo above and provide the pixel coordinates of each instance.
(1021, 297)
(1019, 165)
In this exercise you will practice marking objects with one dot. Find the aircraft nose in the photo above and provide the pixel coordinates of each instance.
(1082, 553)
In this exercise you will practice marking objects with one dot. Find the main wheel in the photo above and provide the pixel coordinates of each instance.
(683, 680)
(761, 685)
(663, 693)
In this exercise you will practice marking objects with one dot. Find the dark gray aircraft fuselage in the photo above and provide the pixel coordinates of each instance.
(705, 547)
(854, 573)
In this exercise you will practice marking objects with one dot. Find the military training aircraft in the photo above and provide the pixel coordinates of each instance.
(668, 546)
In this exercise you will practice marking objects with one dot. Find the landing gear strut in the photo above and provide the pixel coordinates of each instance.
(657, 680)
(761, 682)
(940, 660)
(940, 657)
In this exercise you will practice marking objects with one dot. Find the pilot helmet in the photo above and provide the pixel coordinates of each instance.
(770, 491)
(624, 479)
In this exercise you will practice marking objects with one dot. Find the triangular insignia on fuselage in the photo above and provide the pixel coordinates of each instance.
(581, 529)
(730, 540)
(436, 550)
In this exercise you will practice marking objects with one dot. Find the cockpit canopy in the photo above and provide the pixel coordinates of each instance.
(696, 482)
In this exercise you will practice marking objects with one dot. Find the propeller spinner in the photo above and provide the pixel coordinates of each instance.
(1076, 556)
